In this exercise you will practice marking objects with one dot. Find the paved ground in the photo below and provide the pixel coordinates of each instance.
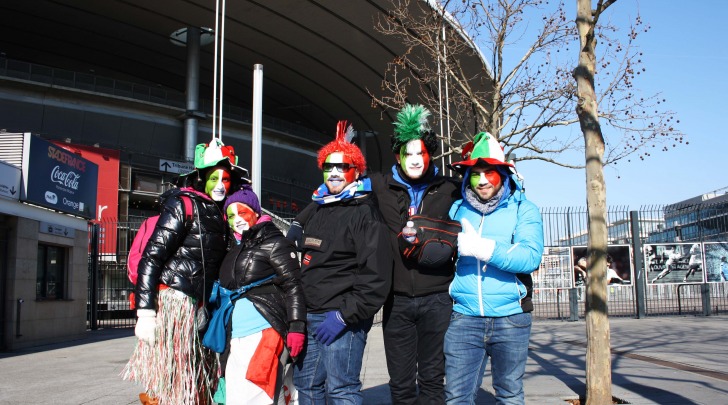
(668, 360)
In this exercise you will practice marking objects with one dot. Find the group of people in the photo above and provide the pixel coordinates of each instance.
(313, 293)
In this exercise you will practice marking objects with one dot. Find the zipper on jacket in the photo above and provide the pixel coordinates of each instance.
(480, 276)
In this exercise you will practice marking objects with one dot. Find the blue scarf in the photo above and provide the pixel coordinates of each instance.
(357, 189)
(416, 191)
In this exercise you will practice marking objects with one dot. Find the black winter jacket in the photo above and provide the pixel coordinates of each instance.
(346, 259)
(394, 201)
(264, 251)
(173, 255)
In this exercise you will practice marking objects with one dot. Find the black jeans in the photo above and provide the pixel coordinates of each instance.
(414, 334)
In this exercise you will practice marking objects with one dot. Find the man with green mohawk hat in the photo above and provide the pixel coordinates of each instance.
(417, 313)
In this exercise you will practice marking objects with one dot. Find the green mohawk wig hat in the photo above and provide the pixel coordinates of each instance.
(411, 125)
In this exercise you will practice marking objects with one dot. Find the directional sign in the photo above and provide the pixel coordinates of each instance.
(9, 181)
(55, 229)
(173, 166)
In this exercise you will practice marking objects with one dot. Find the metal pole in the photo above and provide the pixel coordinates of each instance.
(257, 126)
(94, 288)
(192, 91)
(640, 272)
(573, 304)
(17, 318)
(705, 294)
(573, 292)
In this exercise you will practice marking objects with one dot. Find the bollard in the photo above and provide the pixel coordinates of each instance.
(17, 318)
(573, 304)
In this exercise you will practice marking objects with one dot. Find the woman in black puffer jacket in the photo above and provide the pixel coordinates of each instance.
(181, 260)
(271, 312)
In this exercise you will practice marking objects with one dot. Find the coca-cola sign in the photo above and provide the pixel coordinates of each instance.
(64, 178)
(53, 171)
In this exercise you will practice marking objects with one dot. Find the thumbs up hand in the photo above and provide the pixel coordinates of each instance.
(470, 243)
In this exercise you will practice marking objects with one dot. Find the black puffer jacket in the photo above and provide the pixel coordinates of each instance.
(394, 201)
(263, 252)
(174, 253)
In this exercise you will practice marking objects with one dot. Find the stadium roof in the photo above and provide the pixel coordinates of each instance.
(320, 56)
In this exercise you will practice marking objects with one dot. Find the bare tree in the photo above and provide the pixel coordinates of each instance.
(504, 66)
(598, 356)
(525, 96)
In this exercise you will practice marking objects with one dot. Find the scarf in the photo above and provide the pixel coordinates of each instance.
(357, 189)
(415, 188)
(485, 207)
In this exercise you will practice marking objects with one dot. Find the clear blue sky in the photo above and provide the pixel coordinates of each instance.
(685, 54)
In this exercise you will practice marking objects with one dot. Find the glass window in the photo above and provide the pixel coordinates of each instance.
(51, 277)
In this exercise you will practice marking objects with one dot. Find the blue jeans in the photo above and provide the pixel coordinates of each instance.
(414, 332)
(330, 374)
(469, 342)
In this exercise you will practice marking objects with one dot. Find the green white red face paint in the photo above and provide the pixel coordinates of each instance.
(485, 181)
(241, 217)
(342, 172)
(217, 184)
(414, 159)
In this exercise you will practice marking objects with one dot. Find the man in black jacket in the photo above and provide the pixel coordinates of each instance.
(417, 314)
(346, 275)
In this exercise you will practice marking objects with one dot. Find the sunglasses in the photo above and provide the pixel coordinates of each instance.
(341, 167)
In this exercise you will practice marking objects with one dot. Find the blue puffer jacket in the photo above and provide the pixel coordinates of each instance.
(492, 289)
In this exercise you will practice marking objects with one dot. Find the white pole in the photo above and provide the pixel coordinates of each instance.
(442, 128)
(447, 95)
(222, 73)
(217, 73)
(257, 127)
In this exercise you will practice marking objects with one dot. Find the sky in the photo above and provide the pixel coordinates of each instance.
(685, 54)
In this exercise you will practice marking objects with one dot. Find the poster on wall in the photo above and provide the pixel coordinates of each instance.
(619, 265)
(58, 179)
(673, 263)
(716, 261)
(555, 270)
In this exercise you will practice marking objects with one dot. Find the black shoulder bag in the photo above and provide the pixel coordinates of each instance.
(436, 242)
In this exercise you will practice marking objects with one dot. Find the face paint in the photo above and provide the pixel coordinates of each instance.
(485, 181)
(336, 180)
(240, 217)
(217, 184)
(414, 159)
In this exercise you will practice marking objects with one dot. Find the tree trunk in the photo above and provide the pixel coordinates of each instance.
(598, 357)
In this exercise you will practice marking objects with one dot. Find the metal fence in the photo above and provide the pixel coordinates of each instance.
(663, 231)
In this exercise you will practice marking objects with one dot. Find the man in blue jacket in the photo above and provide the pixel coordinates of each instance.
(502, 237)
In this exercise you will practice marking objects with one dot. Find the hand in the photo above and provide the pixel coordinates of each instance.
(295, 234)
(146, 324)
(294, 341)
(470, 243)
(330, 328)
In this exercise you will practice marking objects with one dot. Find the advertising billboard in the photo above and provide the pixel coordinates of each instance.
(107, 195)
(58, 179)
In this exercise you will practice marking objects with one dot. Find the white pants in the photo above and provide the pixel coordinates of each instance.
(238, 390)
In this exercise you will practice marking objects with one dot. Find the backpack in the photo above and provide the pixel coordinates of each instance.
(142, 237)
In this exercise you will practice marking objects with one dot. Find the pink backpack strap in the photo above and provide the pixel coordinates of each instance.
(189, 211)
